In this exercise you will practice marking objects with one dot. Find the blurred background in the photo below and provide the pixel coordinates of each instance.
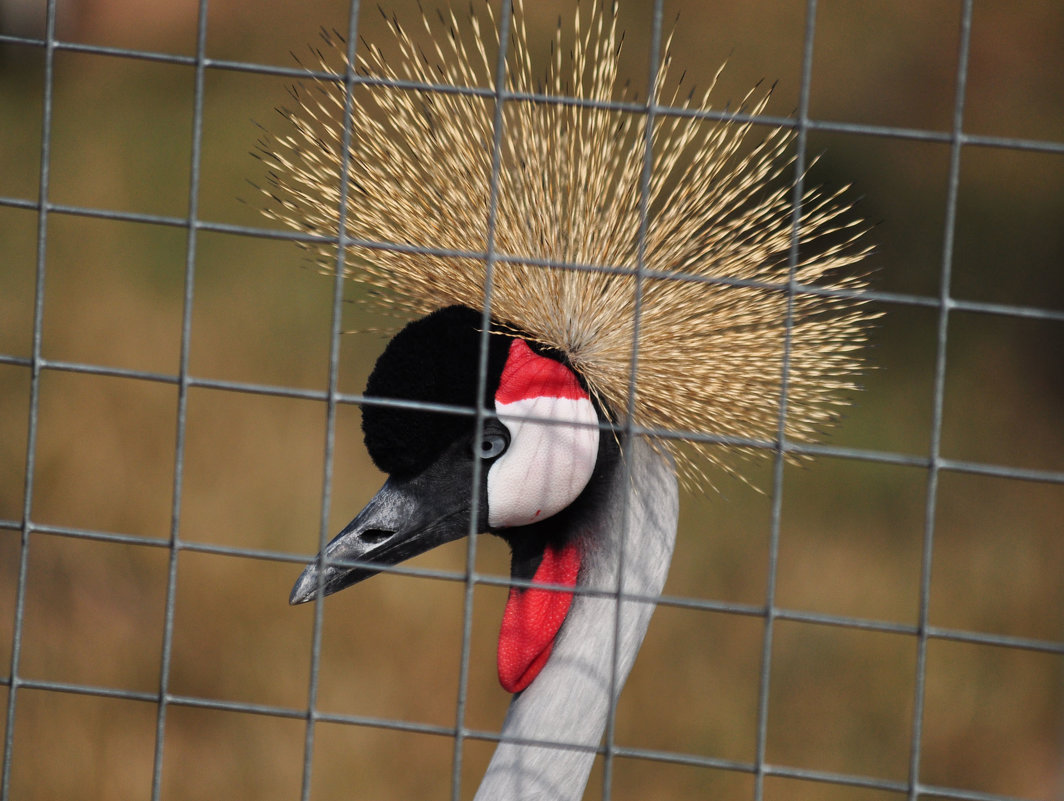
(851, 537)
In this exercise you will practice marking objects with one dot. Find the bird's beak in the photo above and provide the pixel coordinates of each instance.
(404, 519)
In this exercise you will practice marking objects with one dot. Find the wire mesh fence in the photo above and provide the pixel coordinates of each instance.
(885, 621)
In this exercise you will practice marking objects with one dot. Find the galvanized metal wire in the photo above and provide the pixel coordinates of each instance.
(945, 304)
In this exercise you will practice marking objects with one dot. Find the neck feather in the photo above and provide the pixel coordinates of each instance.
(568, 703)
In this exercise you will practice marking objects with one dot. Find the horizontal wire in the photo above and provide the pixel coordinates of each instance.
(301, 73)
(867, 295)
(798, 449)
(504, 581)
(393, 724)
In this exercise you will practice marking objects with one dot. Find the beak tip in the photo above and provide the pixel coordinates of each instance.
(304, 589)
(295, 599)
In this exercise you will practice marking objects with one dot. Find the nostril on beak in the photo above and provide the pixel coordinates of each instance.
(372, 536)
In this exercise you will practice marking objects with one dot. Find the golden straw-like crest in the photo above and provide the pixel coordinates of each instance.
(718, 231)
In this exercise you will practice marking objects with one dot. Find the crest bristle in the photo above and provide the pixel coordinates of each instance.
(715, 293)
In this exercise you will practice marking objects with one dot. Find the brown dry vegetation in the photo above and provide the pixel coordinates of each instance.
(851, 532)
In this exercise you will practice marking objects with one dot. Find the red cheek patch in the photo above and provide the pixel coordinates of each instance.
(529, 375)
(533, 618)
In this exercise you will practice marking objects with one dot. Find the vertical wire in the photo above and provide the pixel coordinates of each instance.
(949, 227)
(498, 121)
(350, 80)
(35, 394)
(653, 68)
(182, 403)
(765, 677)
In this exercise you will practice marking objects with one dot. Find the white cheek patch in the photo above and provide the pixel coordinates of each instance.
(547, 464)
(552, 455)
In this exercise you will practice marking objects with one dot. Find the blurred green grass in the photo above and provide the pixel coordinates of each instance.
(851, 535)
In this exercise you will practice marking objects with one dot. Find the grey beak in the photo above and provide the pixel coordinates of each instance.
(404, 519)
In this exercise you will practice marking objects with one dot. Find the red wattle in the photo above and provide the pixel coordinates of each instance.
(533, 617)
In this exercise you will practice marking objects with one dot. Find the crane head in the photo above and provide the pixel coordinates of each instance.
(538, 446)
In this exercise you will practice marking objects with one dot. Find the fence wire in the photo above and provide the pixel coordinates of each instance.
(38, 364)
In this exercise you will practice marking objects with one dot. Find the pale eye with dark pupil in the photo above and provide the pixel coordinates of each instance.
(491, 445)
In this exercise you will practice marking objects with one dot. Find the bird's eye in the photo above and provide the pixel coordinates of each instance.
(491, 445)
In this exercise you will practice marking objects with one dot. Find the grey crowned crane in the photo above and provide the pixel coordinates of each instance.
(577, 474)
(555, 493)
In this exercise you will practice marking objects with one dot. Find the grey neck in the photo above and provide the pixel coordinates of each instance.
(567, 704)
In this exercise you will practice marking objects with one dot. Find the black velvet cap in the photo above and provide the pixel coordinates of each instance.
(434, 359)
